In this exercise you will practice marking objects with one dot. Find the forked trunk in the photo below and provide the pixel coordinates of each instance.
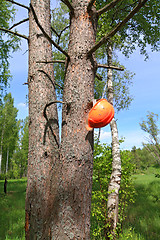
(43, 127)
(59, 188)
(114, 185)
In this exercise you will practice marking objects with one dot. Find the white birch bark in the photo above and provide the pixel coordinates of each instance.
(114, 185)
(7, 160)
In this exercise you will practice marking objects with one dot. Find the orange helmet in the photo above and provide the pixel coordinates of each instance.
(100, 114)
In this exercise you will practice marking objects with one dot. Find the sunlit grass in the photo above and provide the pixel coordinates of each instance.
(143, 219)
(12, 210)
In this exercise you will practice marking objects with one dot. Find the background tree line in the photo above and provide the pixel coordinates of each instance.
(13, 140)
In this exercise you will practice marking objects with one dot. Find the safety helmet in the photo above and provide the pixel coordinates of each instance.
(100, 114)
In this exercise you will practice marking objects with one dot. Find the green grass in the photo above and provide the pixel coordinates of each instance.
(143, 218)
(142, 222)
(12, 210)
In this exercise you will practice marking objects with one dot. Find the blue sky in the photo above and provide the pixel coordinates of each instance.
(145, 89)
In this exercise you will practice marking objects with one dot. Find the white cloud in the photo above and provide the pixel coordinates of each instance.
(22, 105)
(105, 136)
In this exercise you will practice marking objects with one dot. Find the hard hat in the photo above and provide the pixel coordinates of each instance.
(100, 114)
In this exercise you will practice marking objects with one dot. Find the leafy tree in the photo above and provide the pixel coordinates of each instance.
(142, 158)
(11, 43)
(20, 157)
(100, 227)
(8, 131)
(150, 126)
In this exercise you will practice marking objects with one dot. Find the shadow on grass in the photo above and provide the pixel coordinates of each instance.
(144, 215)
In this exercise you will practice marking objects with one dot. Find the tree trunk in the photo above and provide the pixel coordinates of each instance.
(114, 185)
(43, 127)
(7, 160)
(72, 219)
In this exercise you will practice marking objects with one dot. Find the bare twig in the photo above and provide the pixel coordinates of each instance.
(118, 27)
(61, 33)
(90, 5)
(14, 33)
(16, 24)
(107, 7)
(111, 67)
(46, 35)
(19, 4)
(54, 31)
(53, 82)
(53, 61)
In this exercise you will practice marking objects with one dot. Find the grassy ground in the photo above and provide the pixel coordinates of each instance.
(12, 210)
(142, 222)
(143, 218)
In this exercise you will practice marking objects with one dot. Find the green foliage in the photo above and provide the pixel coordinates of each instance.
(9, 43)
(121, 88)
(150, 126)
(142, 30)
(142, 158)
(60, 23)
(101, 175)
(8, 131)
(20, 157)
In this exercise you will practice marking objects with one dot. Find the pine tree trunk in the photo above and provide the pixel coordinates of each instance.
(43, 127)
(114, 185)
(72, 220)
(58, 203)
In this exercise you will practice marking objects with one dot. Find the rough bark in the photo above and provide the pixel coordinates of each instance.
(43, 127)
(114, 185)
(72, 219)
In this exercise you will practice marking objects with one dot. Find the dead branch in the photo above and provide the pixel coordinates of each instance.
(61, 33)
(53, 82)
(111, 67)
(14, 33)
(117, 27)
(90, 5)
(46, 35)
(54, 31)
(99, 77)
(108, 7)
(19, 4)
(16, 24)
(69, 5)
(53, 61)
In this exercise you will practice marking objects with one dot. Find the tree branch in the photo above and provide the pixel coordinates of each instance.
(99, 77)
(46, 35)
(118, 27)
(107, 7)
(90, 5)
(19, 4)
(61, 33)
(14, 33)
(53, 61)
(69, 5)
(16, 24)
(53, 82)
(54, 31)
(111, 67)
